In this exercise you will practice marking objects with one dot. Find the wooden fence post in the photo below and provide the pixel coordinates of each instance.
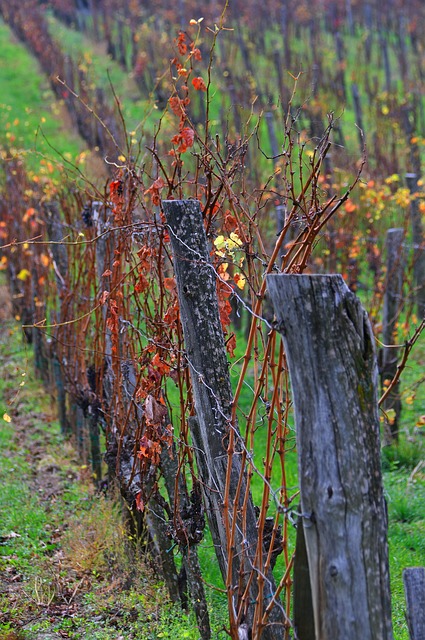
(332, 363)
(418, 245)
(359, 117)
(211, 428)
(392, 307)
(414, 588)
(55, 233)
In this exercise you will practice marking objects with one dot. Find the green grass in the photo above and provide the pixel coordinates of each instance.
(406, 506)
(103, 613)
(26, 104)
(73, 539)
(103, 72)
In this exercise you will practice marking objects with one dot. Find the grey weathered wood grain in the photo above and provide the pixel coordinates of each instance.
(332, 363)
(56, 232)
(206, 356)
(414, 588)
(303, 615)
(418, 242)
(392, 305)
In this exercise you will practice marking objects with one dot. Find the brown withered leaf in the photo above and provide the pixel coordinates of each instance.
(155, 412)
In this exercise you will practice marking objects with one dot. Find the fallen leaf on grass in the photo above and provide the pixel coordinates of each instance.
(9, 536)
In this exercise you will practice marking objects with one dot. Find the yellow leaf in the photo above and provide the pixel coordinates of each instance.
(122, 158)
(220, 242)
(23, 274)
(6, 417)
(390, 415)
(410, 400)
(393, 178)
(239, 280)
(421, 421)
(235, 239)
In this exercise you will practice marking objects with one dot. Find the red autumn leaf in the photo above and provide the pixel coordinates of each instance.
(184, 139)
(160, 366)
(199, 84)
(140, 505)
(171, 314)
(175, 105)
(188, 136)
(154, 190)
(169, 283)
(115, 188)
(181, 43)
(149, 450)
(350, 206)
(230, 222)
(195, 52)
(142, 284)
(106, 273)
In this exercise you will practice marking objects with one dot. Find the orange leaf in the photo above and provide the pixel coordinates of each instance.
(350, 206)
(199, 84)
(184, 139)
(45, 260)
(169, 283)
(140, 505)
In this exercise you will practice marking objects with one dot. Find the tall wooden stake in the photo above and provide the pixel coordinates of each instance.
(332, 363)
(216, 442)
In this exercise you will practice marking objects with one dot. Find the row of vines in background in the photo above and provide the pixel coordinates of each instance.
(91, 273)
(391, 117)
(335, 47)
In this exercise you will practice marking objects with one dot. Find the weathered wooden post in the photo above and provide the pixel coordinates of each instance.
(414, 588)
(332, 363)
(392, 307)
(216, 441)
(418, 245)
(359, 116)
(56, 232)
(274, 147)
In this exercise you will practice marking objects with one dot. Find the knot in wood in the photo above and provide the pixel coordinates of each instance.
(333, 571)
